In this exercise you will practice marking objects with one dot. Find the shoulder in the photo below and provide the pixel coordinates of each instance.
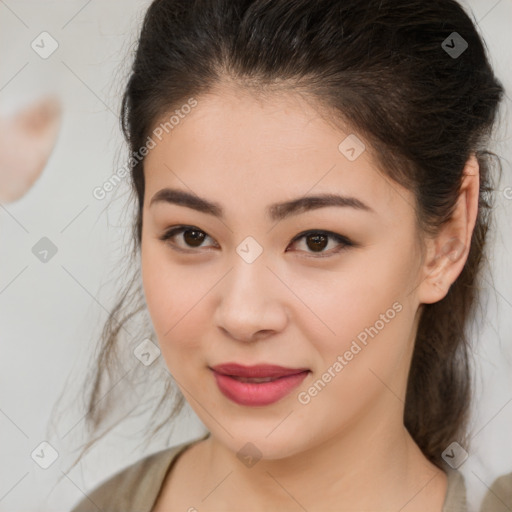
(499, 496)
(133, 488)
(455, 500)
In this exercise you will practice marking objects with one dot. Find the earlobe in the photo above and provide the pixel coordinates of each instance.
(449, 250)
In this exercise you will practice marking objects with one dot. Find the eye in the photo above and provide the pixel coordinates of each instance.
(319, 240)
(192, 236)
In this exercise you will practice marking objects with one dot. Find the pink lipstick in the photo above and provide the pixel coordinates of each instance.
(257, 385)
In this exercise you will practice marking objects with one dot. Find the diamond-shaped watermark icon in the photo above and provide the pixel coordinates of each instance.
(249, 455)
(146, 352)
(44, 455)
(249, 249)
(454, 45)
(44, 250)
(455, 455)
(351, 147)
(44, 45)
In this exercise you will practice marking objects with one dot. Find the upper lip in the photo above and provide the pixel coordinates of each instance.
(256, 371)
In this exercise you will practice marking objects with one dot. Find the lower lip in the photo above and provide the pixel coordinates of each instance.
(257, 394)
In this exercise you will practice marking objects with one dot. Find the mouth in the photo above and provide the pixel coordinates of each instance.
(257, 385)
(256, 380)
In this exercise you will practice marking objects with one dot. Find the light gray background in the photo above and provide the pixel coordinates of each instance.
(50, 313)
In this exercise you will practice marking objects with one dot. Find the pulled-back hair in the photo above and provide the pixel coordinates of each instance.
(379, 67)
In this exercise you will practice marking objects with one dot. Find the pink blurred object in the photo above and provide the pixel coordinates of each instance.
(27, 140)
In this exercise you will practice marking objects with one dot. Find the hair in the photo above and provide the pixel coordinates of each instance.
(376, 66)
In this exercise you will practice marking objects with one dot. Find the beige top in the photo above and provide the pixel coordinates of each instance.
(135, 488)
(499, 497)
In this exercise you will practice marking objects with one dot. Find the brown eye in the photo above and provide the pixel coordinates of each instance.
(317, 241)
(192, 237)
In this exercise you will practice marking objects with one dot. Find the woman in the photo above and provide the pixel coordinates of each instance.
(311, 182)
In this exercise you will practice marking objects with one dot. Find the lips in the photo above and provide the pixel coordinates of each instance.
(260, 371)
(257, 385)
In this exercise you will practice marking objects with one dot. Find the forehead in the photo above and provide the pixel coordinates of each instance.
(258, 150)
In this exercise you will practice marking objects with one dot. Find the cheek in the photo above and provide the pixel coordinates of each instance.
(370, 309)
(369, 353)
(369, 298)
(173, 296)
(158, 293)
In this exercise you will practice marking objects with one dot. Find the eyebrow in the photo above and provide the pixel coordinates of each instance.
(276, 211)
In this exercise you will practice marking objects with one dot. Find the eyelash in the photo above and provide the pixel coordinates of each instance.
(344, 241)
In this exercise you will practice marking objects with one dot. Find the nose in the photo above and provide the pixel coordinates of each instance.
(252, 302)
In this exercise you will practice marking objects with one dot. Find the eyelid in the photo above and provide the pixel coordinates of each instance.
(341, 239)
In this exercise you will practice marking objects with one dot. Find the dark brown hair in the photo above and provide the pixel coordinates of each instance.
(381, 68)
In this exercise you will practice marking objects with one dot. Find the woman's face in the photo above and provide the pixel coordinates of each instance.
(245, 285)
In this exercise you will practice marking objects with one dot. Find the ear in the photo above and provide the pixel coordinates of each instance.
(448, 251)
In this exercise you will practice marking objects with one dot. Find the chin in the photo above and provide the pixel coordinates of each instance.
(256, 442)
